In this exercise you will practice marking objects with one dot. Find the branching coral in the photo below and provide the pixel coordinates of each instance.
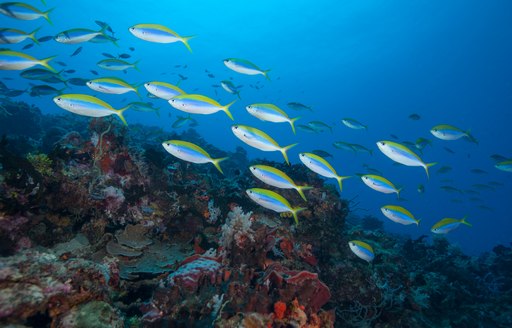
(41, 162)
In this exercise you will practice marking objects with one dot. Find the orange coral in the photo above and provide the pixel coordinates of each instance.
(279, 309)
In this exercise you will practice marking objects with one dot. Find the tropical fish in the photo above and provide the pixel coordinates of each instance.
(23, 11)
(163, 90)
(88, 106)
(362, 250)
(495, 184)
(448, 224)
(104, 39)
(115, 64)
(381, 184)
(78, 35)
(78, 81)
(361, 149)
(259, 139)
(199, 104)
(277, 178)
(39, 74)
(45, 38)
(105, 26)
(27, 46)
(399, 214)
(182, 121)
(451, 189)
(478, 171)
(111, 85)
(354, 124)
(421, 188)
(11, 36)
(159, 34)
(230, 88)
(108, 55)
(500, 158)
(306, 128)
(449, 132)
(70, 71)
(321, 153)
(189, 152)
(403, 155)
(422, 143)
(299, 106)
(125, 56)
(144, 107)
(273, 201)
(343, 145)
(319, 126)
(444, 169)
(243, 66)
(482, 186)
(13, 60)
(504, 166)
(44, 90)
(320, 166)
(271, 113)
(415, 117)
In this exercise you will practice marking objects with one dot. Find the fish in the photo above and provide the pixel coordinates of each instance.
(421, 189)
(414, 117)
(61, 63)
(399, 214)
(199, 104)
(114, 64)
(482, 186)
(504, 166)
(485, 208)
(44, 90)
(105, 26)
(277, 178)
(243, 66)
(500, 158)
(299, 106)
(94, 72)
(449, 150)
(320, 166)
(478, 171)
(159, 34)
(13, 60)
(104, 39)
(70, 71)
(182, 121)
(45, 38)
(273, 201)
(86, 105)
(448, 224)
(125, 56)
(144, 107)
(403, 155)
(362, 250)
(354, 124)
(422, 143)
(394, 136)
(41, 74)
(27, 46)
(132, 49)
(451, 189)
(306, 128)
(12, 36)
(319, 126)
(343, 145)
(444, 169)
(271, 113)
(78, 35)
(163, 90)
(259, 140)
(190, 152)
(24, 11)
(78, 81)
(108, 55)
(361, 149)
(380, 184)
(111, 85)
(449, 132)
(321, 153)
(14, 93)
(230, 88)
(76, 52)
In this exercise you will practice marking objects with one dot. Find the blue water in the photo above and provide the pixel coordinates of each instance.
(374, 61)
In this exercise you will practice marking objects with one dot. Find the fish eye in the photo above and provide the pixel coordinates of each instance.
(59, 99)
(235, 127)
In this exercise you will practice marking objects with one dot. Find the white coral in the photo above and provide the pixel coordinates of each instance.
(237, 228)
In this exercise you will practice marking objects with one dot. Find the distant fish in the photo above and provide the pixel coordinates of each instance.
(403, 155)
(101, 38)
(421, 189)
(380, 184)
(41, 74)
(12, 36)
(319, 126)
(273, 201)
(399, 214)
(190, 152)
(361, 149)
(229, 87)
(76, 52)
(299, 106)
(144, 107)
(500, 158)
(124, 56)
(132, 49)
(243, 66)
(104, 26)
(111, 85)
(504, 166)
(159, 34)
(343, 145)
(394, 136)
(182, 77)
(94, 72)
(105, 54)
(321, 153)
(44, 90)
(277, 178)
(23, 11)
(362, 250)
(414, 117)
(449, 150)
(114, 64)
(320, 166)
(163, 90)
(61, 63)
(27, 46)
(70, 71)
(306, 128)
(199, 104)
(182, 121)
(451, 189)
(78, 35)
(45, 38)
(448, 224)
(354, 124)
(211, 76)
(13, 60)
(421, 143)
(271, 113)
(88, 106)
(483, 186)
(78, 81)
(478, 171)
(259, 139)
(444, 169)
(14, 93)
(449, 132)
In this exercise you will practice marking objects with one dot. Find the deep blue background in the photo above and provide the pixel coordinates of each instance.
(374, 61)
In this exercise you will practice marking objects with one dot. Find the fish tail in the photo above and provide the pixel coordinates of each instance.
(120, 113)
(340, 179)
(216, 162)
(292, 123)
(300, 190)
(265, 74)
(470, 137)
(463, 221)
(398, 192)
(45, 15)
(226, 110)
(135, 65)
(285, 149)
(295, 211)
(418, 222)
(32, 35)
(44, 62)
(238, 94)
(427, 167)
(185, 40)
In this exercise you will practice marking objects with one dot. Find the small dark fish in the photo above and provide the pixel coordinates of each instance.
(124, 56)
(449, 150)
(45, 39)
(444, 169)
(63, 64)
(107, 55)
(183, 77)
(478, 171)
(77, 51)
(105, 26)
(94, 72)
(414, 117)
(14, 93)
(177, 66)
(78, 81)
(393, 136)
(28, 46)
(499, 158)
(70, 71)
(132, 49)
(211, 76)
(321, 153)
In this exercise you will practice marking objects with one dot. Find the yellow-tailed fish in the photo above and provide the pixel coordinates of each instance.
(243, 66)
(78, 35)
(448, 224)
(199, 104)
(354, 124)
(319, 126)
(273, 201)
(182, 121)
(362, 250)
(277, 178)
(259, 139)
(450, 132)
(11, 36)
(399, 214)
(380, 184)
(13, 60)
(299, 106)
(114, 64)
(191, 153)
(88, 106)
(23, 11)
(271, 113)
(320, 166)
(163, 90)
(504, 166)
(144, 107)
(403, 155)
(230, 88)
(111, 85)
(159, 34)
